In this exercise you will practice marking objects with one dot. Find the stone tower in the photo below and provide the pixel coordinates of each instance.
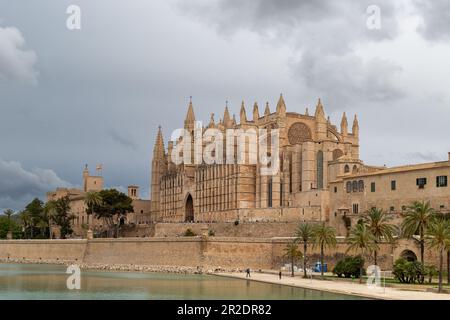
(159, 165)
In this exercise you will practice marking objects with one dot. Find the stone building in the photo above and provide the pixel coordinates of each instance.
(321, 176)
(312, 153)
(140, 215)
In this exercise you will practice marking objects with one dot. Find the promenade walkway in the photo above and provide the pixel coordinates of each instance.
(341, 287)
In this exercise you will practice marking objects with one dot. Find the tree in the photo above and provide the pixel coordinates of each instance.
(416, 220)
(438, 233)
(91, 200)
(113, 207)
(61, 215)
(305, 233)
(361, 239)
(324, 236)
(34, 210)
(377, 223)
(293, 254)
(8, 225)
(8, 213)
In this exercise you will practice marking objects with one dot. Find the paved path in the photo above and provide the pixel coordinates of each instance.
(342, 287)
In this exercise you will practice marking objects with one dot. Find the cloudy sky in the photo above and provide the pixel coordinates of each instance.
(98, 94)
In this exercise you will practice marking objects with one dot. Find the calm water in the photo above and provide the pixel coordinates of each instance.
(27, 281)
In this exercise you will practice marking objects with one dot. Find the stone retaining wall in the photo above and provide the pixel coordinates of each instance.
(191, 252)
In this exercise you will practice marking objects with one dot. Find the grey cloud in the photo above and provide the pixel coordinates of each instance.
(18, 185)
(323, 34)
(121, 139)
(346, 79)
(16, 62)
(436, 19)
(426, 156)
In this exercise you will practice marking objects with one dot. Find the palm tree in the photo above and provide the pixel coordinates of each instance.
(377, 223)
(438, 232)
(49, 213)
(91, 200)
(26, 221)
(305, 234)
(416, 220)
(293, 254)
(362, 239)
(324, 236)
(8, 213)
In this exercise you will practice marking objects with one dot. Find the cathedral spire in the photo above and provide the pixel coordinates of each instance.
(267, 110)
(158, 149)
(243, 114)
(320, 114)
(255, 112)
(226, 116)
(212, 123)
(355, 128)
(281, 106)
(190, 117)
(344, 124)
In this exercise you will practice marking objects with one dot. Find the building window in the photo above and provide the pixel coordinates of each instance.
(361, 186)
(421, 182)
(355, 186)
(372, 187)
(269, 194)
(290, 177)
(355, 208)
(320, 170)
(393, 185)
(346, 168)
(281, 192)
(335, 189)
(441, 181)
(349, 186)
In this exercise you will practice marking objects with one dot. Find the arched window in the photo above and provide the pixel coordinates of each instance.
(355, 169)
(281, 192)
(337, 153)
(349, 186)
(346, 168)
(355, 186)
(290, 177)
(320, 170)
(361, 186)
(269, 193)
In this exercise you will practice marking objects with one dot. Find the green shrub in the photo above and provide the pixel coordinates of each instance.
(9, 225)
(431, 272)
(189, 233)
(349, 267)
(211, 233)
(409, 271)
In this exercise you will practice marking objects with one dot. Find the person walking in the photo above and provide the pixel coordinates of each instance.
(248, 273)
(279, 274)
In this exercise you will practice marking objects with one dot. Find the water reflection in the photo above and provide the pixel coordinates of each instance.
(26, 281)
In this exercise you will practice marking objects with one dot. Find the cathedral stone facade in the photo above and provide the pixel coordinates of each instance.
(312, 153)
(320, 178)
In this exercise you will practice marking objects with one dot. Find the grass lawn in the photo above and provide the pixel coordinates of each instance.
(391, 282)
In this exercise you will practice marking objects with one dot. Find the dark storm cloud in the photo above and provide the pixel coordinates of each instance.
(19, 185)
(436, 19)
(323, 35)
